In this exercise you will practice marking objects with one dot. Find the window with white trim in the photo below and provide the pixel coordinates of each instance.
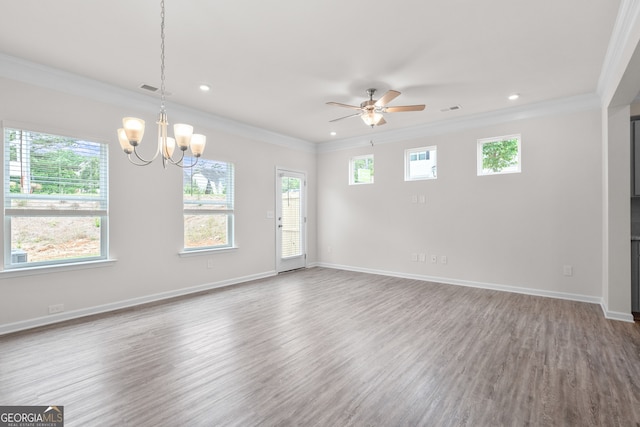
(499, 155)
(361, 170)
(420, 163)
(55, 199)
(208, 204)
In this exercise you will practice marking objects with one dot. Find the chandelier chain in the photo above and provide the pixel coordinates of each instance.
(162, 87)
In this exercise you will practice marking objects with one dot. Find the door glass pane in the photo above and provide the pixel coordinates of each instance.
(291, 217)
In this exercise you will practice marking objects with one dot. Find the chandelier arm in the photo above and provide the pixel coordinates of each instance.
(145, 163)
(183, 166)
(177, 162)
(143, 160)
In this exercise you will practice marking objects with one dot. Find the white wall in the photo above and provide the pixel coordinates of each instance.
(146, 212)
(514, 231)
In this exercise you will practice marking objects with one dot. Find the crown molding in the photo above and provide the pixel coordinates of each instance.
(623, 30)
(590, 101)
(51, 78)
(35, 74)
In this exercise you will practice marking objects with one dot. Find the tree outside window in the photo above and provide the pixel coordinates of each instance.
(499, 155)
(361, 170)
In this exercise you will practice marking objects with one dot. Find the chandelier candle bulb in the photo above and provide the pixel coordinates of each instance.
(124, 141)
(182, 133)
(169, 147)
(198, 142)
(134, 129)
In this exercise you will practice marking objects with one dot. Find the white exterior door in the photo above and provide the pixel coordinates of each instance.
(291, 220)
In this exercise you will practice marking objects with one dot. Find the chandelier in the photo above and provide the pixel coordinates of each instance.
(132, 130)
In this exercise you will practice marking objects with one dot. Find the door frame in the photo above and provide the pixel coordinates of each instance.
(300, 261)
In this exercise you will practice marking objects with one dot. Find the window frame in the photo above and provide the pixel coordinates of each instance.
(228, 211)
(9, 212)
(352, 164)
(417, 150)
(517, 168)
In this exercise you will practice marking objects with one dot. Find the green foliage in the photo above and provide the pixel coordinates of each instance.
(499, 155)
(57, 165)
(359, 167)
(57, 168)
(289, 184)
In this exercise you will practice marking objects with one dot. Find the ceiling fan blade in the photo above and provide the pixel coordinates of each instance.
(346, 117)
(381, 122)
(387, 98)
(337, 104)
(402, 108)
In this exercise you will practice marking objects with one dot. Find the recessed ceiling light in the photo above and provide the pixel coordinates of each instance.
(333, 134)
(514, 96)
(205, 88)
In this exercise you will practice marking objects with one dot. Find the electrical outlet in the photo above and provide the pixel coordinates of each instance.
(422, 199)
(56, 308)
(443, 259)
(423, 257)
(434, 259)
(567, 270)
(414, 198)
(414, 257)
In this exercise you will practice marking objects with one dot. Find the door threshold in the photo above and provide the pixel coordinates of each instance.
(292, 270)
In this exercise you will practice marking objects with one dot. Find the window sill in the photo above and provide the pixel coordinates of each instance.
(47, 269)
(207, 251)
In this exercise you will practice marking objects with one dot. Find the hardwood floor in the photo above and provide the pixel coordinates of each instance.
(323, 347)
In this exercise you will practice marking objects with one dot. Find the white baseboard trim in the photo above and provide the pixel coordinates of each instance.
(75, 314)
(491, 286)
(616, 315)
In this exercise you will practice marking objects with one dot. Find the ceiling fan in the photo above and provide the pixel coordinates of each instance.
(371, 110)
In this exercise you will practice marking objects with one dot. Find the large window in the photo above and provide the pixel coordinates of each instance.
(208, 204)
(420, 163)
(361, 170)
(499, 155)
(55, 199)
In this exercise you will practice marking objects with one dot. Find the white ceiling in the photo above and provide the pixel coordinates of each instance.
(274, 64)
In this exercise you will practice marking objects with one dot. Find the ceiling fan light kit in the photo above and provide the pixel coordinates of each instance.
(371, 110)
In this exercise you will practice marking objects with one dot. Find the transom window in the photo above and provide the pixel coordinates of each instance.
(420, 163)
(499, 155)
(208, 204)
(55, 199)
(361, 170)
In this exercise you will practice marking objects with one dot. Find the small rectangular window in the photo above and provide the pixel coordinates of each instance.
(208, 196)
(361, 170)
(420, 163)
(499, 155)
(55, 199)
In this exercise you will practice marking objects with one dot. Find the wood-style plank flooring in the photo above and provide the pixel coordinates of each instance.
(322, 347)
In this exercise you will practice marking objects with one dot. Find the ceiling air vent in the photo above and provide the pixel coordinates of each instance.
(149, 88)
(453, 108)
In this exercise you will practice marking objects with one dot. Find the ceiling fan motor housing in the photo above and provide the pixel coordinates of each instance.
(368, 105)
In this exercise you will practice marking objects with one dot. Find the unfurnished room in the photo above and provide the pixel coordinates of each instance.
(356, 213)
